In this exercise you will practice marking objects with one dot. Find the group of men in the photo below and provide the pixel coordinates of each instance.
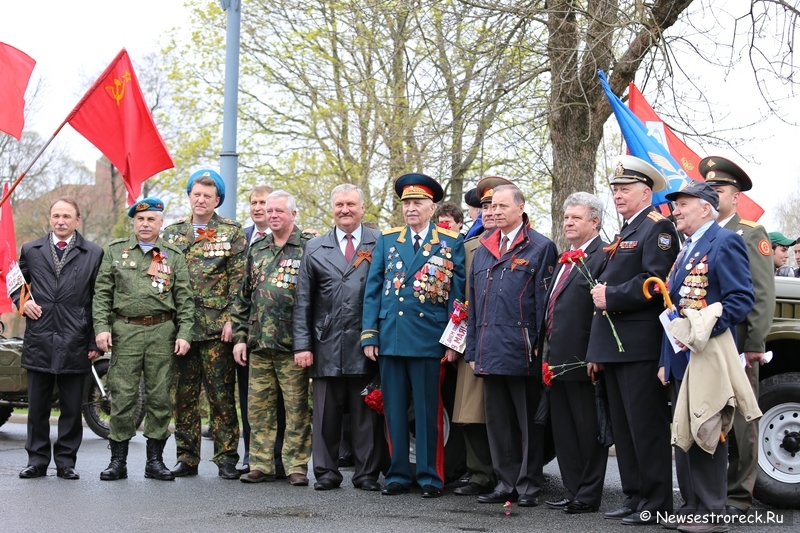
(188, 305)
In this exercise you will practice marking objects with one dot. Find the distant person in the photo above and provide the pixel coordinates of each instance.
(59, 345)
(450, 214)
(780, 253)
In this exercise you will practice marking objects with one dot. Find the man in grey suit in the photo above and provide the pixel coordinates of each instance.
(327, 332)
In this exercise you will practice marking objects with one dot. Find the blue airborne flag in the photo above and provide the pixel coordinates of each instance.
(644, 146)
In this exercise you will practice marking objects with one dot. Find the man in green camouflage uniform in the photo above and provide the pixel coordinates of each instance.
(214, 250)
(262, 321)
(143, 307)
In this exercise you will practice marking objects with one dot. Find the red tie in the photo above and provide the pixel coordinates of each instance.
(551, 305)
(260, 234)
(349, 249)
(61, 244)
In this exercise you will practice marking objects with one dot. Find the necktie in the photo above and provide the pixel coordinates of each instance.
(61, 244)
(504, 246)
(349, 249)
(552, 303)
(624, 225)
(679, 260)
(417, 239)
(260, 234)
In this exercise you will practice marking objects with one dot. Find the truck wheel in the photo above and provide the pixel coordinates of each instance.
(5, 413)
(97, 410)
(778, 480)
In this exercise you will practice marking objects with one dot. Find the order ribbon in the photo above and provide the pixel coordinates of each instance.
(362, 255)
(208, 234)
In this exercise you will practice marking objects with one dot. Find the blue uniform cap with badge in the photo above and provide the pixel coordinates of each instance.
(207, 173)
(630, 169)
(414, 185)
(698, 189)
(148, 204)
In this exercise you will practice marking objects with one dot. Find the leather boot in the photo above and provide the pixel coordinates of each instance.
(155, 467)
(118, 467)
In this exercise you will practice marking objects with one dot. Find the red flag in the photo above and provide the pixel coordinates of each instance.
(8, 252)
(15, 73)
(114, 117)
(684, 155)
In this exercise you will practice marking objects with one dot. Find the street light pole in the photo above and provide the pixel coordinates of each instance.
(228, 157)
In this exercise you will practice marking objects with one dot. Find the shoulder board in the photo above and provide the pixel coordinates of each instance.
(398, 229)
(172, 247)
(223, 220)
(655, 216)
(307, 236)
(117, 241)
(749, 223)
(448, 232)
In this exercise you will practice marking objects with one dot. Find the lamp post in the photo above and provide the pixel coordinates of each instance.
(228, 157)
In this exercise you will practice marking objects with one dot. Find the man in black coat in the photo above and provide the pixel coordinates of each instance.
(327, 334)
(59, 341)
(568, 320)
(646, 246)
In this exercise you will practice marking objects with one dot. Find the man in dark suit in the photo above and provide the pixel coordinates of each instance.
(711, 267)
(581, 458)
(646, 246)
(59, 344)
(327, 330)
(417, 274)
(509, 277)
(728, 181)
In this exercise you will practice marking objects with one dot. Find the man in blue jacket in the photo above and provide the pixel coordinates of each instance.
(416, 275)
(509, 279)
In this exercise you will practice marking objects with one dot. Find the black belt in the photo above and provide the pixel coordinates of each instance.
(145, 320)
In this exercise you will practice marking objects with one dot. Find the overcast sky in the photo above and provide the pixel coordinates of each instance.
(73, 40)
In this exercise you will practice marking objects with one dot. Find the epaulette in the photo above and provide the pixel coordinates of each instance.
(749, 223)
(448, 232)
(223, 220)
(117, 241)
(655, 216)
(398, 229)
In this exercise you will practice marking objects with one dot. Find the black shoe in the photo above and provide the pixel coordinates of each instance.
(32, 471)
(729, 510)
(325, 484)
(118, 467)
(498, 497)
(182, 469)
(229, 471)
(429, 491)
(525, 500)
(393, 489)
(155, 468)
(577, 507)
(67, 472)
(471, 489)
(244, 469)
(369, 485)
(559, 505)
(636, 518)
(618, 514)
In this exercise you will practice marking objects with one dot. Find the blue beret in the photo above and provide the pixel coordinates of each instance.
(148, 204)
(208, 174)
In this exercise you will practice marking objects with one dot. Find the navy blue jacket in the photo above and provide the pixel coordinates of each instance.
(720, 256)
(507, 300)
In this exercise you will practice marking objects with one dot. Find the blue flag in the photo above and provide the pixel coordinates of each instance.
(644, 146)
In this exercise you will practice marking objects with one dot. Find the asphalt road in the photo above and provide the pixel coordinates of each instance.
(209, 504)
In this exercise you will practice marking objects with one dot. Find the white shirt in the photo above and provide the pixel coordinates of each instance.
(255, 234)
(422, 234)
(562, 270)
(636, 215)
(511, 236)
(341, 237)
(725, 220)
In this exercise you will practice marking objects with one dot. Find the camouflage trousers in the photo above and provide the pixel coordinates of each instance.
(269, 370)
(141, 351)
(210, 364)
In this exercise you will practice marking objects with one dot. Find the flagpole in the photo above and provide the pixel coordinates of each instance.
(27, 168)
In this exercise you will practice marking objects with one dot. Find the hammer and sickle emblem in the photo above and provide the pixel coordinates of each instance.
(117, 91)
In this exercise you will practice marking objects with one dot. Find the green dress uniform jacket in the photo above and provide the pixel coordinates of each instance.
(216, 263)
(124, 287)
(263, 309)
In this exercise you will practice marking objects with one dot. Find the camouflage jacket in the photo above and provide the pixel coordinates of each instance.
(124, 286)
(216, 264)
(262, 314)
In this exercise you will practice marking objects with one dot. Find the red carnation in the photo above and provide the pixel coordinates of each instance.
(572, 256)
(443, 224)
(374, 400)
(547, 375)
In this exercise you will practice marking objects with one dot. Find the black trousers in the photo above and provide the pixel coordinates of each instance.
(581, 458)
(517, 449)
(70, 432)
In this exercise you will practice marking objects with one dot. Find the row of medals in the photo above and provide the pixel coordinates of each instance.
(693, 291)
(216, 249)
(286, 277)
(431, 282)
(161, 278)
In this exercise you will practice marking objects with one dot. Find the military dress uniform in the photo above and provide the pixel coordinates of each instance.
(215, 259)
(262, 317)
(407, 302)
(145, 316)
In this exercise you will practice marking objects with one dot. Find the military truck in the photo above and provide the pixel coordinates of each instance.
(778, 481)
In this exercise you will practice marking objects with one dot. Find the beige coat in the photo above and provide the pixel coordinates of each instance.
(714, 384)
(469, 407)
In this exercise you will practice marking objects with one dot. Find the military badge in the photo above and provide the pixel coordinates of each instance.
(664, 241)
(764, 247)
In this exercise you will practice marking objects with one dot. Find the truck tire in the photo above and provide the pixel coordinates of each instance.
(5, 413)
(778, 479)
(97, 410)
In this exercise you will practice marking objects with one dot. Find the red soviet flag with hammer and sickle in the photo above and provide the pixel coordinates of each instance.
(114, 117)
